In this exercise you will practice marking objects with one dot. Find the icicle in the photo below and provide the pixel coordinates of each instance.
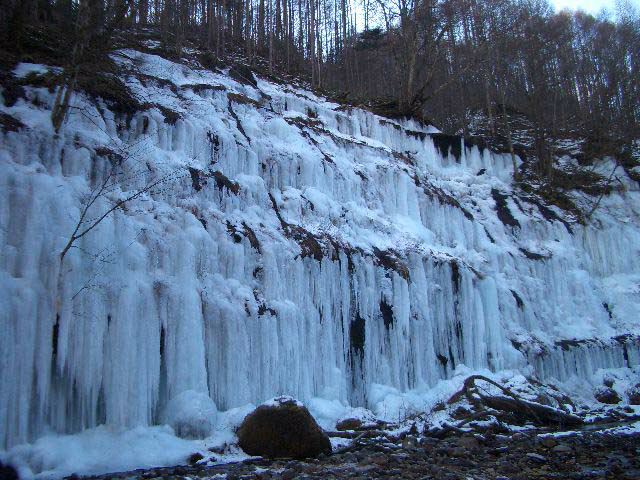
(306, 251)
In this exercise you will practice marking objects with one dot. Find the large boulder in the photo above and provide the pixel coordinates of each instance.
(607, 395)
(282, 428)
(7, 472)
(191, 414)
(634, 395)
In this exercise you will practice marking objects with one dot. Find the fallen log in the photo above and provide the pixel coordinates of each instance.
(512, 404)
(358, 434)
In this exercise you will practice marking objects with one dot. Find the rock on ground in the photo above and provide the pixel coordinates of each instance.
(284, 429)
(521, 456)
(7, 472)
(607, 395)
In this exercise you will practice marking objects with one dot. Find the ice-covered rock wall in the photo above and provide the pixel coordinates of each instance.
(286, 245)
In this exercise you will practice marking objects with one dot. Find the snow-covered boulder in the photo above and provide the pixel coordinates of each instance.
(191, 414)
(605, 394)
(634, 395)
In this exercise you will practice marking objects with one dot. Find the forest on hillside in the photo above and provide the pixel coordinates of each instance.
(441, 61)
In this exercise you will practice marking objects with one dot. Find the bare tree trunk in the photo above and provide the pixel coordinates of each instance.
(343, 42)
(221, 28)
(407, 94)
(285, 28)
(65, 91)
(487, 96)
(210, 24)
(247, 28)
(271, 52)
(143, 12)
(516, 173)
(261, 23)
(312, 42)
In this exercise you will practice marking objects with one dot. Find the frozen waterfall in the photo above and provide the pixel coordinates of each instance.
(292, 247)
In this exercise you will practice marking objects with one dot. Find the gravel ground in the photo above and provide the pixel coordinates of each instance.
(521, 456)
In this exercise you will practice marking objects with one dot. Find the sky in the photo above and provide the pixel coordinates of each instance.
(591, 6)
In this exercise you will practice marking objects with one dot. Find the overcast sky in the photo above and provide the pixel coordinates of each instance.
(591, 6)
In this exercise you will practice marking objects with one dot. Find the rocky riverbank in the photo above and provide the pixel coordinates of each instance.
(612, 453)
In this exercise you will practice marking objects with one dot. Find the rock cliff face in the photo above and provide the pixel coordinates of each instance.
(280, 244)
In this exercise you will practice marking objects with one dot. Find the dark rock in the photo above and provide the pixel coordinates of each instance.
(548, 442)
(195, 179)
(9, 123)
(634, 395)
(12, 91)
(219, 449)
(194, 458)
(288, 475)
(170, 116)
(502, 209)
(608, 381)
(607, 395)
(562, 449)
(364, 469)
(243, 74)
(7, 472)
(532, 255)
(386, 310)
(222, 181)
(357, 334)
(379, 459)
(616, 469)
(447, 144)
(409, 442)
(284, 429)
(518, 299)
(391, 260)
(251, 236)
(209, 60)
(536, 457)
(348, 424)
(468, 442)
(243, 100)
(461, 412)
(457, 452)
